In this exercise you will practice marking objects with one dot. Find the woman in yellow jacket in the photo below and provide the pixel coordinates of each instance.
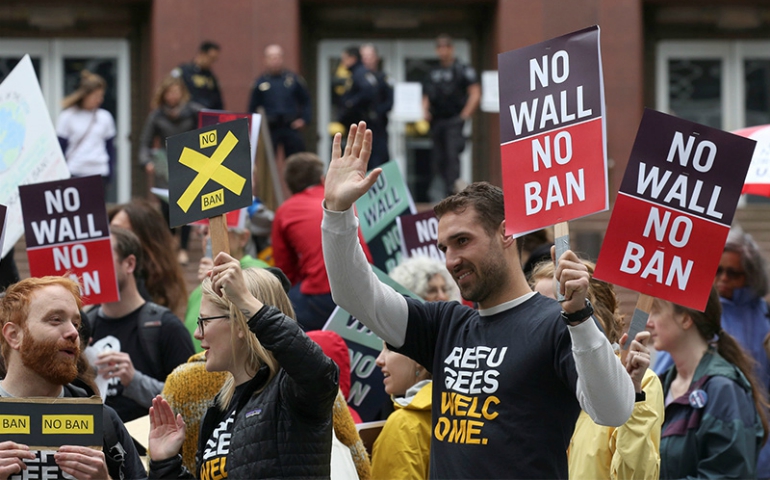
(633, 449)
(402, 450)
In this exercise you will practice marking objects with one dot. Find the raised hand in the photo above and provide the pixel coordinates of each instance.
(166, 431)
(346, 179)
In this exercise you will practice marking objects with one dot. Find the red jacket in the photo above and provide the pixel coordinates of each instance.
(296, 240)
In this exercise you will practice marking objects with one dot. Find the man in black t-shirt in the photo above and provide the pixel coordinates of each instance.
(509, 379)
(452, 94)
(133, 358)
(199, 79)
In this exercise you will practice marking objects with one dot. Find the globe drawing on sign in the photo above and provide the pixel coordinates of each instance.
(12, 131)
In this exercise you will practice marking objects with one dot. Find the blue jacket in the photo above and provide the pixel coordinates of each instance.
(721, 439)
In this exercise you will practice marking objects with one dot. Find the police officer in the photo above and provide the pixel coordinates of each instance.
(452, 94)
(286, 101)
(357, 102)
(383, 103)
(199, 79)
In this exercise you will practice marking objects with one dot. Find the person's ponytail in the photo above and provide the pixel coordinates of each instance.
(709, 325)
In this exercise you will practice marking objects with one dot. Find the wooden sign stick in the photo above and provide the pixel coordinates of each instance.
(220, 240)
(638, 322)
(561, 241)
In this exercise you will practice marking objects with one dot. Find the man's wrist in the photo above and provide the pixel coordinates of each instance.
(574, 319)
(334, 207)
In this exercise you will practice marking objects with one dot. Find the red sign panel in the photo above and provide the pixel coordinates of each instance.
(552, 132)
(67, 233)
(674, 209)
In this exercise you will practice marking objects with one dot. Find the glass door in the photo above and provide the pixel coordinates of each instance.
(402, 61)
(58, 63)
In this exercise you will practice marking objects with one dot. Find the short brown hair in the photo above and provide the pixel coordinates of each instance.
(303, 170)
(14, 306)
(125, 243)
(484, 197)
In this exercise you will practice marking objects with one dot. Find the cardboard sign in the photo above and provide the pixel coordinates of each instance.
(48, 423)
(29, 149)
(367, 393)
(419, 234)
(552, 140)
(209, 172)
(674, 209)
(67, 233)
(388, 199)
(207, 118)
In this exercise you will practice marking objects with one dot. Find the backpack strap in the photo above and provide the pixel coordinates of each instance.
(150, 320)
(114, 453)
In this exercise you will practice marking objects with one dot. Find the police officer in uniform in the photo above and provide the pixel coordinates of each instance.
(199, 79)
(286, 101)
(383, 103)
(452, 94)
(357, 103)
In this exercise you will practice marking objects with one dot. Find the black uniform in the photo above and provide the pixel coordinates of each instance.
(285, 98)
(378, 121)
(357, 103)
(447, 92)
(202, 84)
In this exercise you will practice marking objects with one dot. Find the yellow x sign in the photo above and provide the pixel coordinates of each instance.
(210, 168)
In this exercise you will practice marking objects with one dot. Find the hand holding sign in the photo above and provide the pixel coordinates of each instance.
(227, 279)
(11, 456)
(573, 278)
(638, 357)
(346, 179)
(82, 462)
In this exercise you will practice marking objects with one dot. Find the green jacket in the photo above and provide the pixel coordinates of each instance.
(719, 440)
(194, 302)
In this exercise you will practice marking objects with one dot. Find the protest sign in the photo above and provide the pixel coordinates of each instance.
(419, 234)
(386, 200)
(29, 149)
(210, 172)
(552, 126)
(67, 233)
(367, 393)
(207, 118)
(674, 209)
(48, 423)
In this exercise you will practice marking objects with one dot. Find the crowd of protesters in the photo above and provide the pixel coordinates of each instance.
(489, 376)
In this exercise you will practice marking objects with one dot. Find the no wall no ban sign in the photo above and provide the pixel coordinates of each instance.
(209, 172)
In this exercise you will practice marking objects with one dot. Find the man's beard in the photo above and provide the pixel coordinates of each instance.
(490, 275)
(42, 357)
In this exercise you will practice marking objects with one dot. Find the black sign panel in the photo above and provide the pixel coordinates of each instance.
(209, 172)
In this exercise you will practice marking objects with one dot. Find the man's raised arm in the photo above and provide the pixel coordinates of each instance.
(354, 286)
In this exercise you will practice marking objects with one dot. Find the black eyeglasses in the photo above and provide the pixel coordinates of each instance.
(731, 273)
(202, 321)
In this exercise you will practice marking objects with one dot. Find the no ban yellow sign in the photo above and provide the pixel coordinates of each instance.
(209, 172)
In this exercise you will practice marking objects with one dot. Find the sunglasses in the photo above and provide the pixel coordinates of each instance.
(203, 321)
(731, 273)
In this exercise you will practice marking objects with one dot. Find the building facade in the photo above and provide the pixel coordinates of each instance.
(708, 61)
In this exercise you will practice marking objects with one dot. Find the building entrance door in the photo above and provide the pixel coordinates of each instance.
(402, 61)
(58, 63)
